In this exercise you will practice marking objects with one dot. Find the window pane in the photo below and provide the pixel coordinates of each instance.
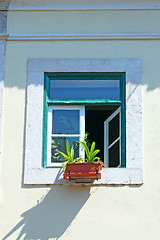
(59, 144)
(114, 129)
(65, 122)
(84, 90)
(114, 159)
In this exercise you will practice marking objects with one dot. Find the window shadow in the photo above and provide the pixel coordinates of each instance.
(53, 214)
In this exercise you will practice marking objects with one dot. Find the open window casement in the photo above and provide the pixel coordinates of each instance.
(112, 139)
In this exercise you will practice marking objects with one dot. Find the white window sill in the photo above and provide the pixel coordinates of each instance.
(108, 176)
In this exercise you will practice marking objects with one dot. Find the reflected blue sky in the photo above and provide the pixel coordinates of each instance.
(84, 89)
(65, 122)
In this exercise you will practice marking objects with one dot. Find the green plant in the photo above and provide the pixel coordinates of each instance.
(90, 152)
(86, 139)
(69, 155)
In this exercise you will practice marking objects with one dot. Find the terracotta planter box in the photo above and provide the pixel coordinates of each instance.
(82, 171)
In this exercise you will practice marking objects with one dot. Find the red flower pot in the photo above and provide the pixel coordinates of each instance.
(83, 171)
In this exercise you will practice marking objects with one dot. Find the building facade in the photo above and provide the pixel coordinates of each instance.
(47, 48)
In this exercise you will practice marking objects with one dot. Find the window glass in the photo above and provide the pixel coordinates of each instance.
(59, 144)
(65, 122)
(84, 90)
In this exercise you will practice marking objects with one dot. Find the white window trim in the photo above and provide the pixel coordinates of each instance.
(34, 173)
(80, 135)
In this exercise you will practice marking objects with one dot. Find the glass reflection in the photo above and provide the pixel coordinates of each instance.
(84, 90)
(65, 122)
(59, 144)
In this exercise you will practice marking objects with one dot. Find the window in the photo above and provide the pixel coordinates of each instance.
(64, 123)
(77, 104)
(129, 138)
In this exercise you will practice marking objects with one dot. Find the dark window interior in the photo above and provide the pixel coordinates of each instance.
(114, 129)
(114, 155)
(94, 125)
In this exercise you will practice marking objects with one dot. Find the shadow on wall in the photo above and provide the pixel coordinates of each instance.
(53, 214)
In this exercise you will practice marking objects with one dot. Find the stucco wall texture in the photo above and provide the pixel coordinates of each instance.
(107, 212)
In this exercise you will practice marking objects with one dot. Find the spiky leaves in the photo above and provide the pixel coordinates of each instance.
(70, 156)
(70, 153)
(90, 153)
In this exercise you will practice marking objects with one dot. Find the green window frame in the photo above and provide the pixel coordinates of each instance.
(87, 76)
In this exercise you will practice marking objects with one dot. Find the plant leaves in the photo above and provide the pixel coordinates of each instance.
(72, 153)
(84, 145)
(94, 154)
(92, 147)
(68, 149)
(96, 159)
(65, 156)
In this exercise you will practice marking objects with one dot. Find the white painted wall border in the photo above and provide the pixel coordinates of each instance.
(2, 61)
(80, 36)
(33, 171)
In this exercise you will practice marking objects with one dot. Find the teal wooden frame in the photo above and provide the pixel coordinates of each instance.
(121, 76)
